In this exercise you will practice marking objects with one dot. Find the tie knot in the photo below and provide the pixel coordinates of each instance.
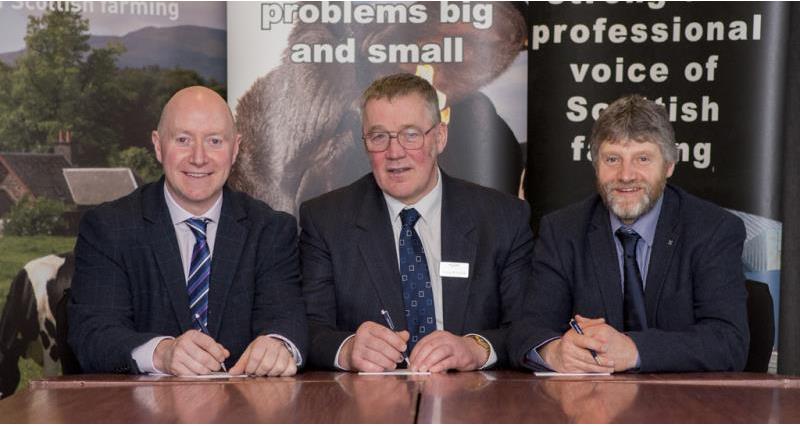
(198, 226)
(628, 237)
(409, 217)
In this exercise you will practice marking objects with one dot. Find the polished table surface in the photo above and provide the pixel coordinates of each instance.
(669, 398)
(477, 397)
(307, 398)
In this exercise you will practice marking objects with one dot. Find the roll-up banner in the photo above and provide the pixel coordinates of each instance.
(297, 70)
(718, 68)
(82, 85)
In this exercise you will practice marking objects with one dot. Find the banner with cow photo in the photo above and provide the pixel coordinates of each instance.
(718, 70)
(297, 70)
(82, 85)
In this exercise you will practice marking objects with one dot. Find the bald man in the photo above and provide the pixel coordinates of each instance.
(185, 276)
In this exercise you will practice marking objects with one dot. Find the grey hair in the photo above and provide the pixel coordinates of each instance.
(402, 84)
(636, 118)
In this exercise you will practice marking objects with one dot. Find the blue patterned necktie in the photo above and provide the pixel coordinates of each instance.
(417, 292)
(634, 315)
(199, 273)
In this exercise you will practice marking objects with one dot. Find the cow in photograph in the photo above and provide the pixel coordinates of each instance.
(30, 315)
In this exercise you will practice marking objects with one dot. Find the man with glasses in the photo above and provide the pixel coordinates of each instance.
(409, 265)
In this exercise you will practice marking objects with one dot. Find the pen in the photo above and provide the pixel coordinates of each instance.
(389, 322)
(205, 330)
(579, 330)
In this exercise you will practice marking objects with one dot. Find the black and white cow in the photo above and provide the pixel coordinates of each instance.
(29, 315)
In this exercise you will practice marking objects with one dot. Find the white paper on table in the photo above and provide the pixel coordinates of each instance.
(399, 372)
(216, 375)
(554, 374)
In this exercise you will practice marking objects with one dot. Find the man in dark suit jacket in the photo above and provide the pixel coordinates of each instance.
(471, 250)
(143, 296)
(593, 259)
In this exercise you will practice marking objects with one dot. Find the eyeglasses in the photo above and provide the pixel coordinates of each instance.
(408, 138)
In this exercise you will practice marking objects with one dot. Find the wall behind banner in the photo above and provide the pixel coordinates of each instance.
(719, 71)
(82, 85)
(297, 71)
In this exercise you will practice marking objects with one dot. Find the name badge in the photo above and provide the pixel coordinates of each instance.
(454, 269)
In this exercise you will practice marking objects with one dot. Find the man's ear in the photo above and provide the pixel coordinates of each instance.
(236, 142)
(670, 169)
(441, 137)
(155, 138)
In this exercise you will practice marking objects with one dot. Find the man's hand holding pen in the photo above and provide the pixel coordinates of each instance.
(191, 353)
(571, 353)
(373, 348)
(620, 350)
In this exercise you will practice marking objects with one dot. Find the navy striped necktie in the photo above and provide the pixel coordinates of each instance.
(199, 273)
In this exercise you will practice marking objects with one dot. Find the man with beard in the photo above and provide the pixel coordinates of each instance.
(642, 277)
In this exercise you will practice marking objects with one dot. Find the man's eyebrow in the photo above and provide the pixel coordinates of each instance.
(376, 128)
(381, 128)
(222, 132)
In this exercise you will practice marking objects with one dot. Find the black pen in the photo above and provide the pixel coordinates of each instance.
(579, 330)
(205, 330)
(389, 322)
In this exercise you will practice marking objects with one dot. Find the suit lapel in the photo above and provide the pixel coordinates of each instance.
(664, 244)
(230, 238)
(606, 266)
(376, 244)
(164, 244)
(458, 245)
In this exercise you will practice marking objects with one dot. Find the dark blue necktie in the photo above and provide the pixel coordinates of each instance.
(417, 292)
(199, 274)
(634, 314)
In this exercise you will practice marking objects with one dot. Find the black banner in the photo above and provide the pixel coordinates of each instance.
(718, 69)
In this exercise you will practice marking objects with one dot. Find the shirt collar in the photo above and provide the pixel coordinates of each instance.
(178, 214)
(645, 225)
(426, 206)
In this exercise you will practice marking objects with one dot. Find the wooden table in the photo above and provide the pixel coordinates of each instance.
(503, 397)
(478, 397)
(307, 398)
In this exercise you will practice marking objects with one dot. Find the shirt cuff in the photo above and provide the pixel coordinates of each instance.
(534, 360)
(143, 355)
(298, 359)
(492, 360)
(336, 359)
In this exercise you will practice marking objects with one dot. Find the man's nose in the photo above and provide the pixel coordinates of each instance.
(627, 172)
(395, 150)
(199, 154)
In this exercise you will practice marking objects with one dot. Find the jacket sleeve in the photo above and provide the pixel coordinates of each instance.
(319, 293)
(101, 324)
(514, 274)
(548, 301)
(278, 303)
